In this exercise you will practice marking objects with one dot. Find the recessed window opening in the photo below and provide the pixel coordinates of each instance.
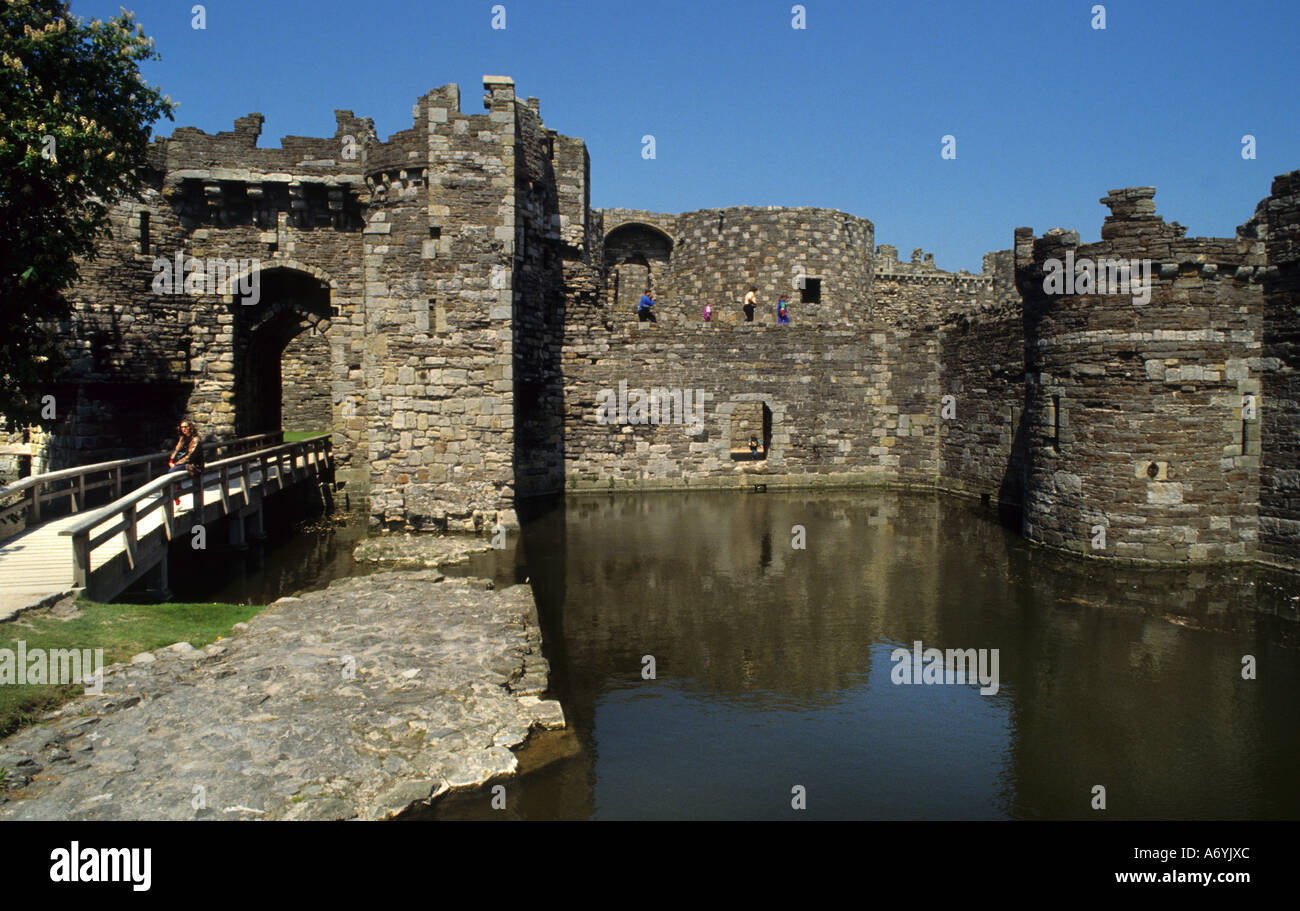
(811, 292)
(751, 431)
(1056, 423)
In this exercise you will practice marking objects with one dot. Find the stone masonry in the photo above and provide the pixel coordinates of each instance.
(1142, 417)
(450, 306)
(368, 699)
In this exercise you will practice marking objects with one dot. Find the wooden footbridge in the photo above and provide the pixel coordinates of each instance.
(68, 545)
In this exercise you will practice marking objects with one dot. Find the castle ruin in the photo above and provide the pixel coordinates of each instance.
(449, 305)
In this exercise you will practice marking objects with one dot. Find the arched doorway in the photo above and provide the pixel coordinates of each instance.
(636, 257)
(281, 355)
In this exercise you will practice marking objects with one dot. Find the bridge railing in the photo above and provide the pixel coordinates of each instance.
(40, 496)
(125, 513)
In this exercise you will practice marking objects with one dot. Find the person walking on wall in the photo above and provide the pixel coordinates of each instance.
(643, 311)
(708, 313)
(782, 312)
(751, 302)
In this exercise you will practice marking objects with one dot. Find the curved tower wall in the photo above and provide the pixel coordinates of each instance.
(1279, 508)
(717, 254)
(1141, 422)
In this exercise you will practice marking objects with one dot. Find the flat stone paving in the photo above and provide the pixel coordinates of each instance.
(363, 700)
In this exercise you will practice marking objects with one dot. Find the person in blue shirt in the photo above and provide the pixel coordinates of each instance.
(643, 311)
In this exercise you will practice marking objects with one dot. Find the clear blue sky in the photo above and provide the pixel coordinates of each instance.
(848, 113)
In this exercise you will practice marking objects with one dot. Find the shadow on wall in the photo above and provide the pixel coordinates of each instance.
(539, 312)
(1011, 493)
(114, 420)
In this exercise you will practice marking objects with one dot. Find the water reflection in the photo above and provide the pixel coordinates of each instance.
(773, 667)
(304, 550)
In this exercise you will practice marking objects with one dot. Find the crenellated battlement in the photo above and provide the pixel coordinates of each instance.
(1134, 232)
(918, 293)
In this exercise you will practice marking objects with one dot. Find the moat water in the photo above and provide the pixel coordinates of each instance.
(773, 669)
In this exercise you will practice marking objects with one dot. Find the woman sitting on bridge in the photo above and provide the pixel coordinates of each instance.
(188, 453)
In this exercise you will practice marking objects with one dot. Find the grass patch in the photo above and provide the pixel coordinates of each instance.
(121, 630)
(295, 436)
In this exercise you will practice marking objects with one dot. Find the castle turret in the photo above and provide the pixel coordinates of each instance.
(1142, 378)
(1279, 506)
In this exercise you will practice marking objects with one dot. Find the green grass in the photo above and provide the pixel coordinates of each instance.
(293, 436)
(121, 630)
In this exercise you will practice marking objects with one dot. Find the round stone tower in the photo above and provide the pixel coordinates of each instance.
(820, 259)
(1142, 399)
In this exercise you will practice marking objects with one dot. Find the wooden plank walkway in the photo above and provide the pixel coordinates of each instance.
(38, 565)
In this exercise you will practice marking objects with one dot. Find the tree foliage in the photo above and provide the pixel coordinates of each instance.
(75, 118)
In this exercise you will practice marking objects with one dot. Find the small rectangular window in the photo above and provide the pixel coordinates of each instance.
(144, 232)
(1056, 423)
(811, 293)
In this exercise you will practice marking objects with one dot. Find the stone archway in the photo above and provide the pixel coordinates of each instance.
(637, 258)
(282, 334)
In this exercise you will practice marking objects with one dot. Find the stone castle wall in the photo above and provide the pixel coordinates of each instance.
(142, 357)
(305, 400)
(294, 210)
(844, 406)
(440, 292)
(399, 283)
(853, 388)
(1279, 425)
(714, 255)
(840, 404)
(920, 295)
(982, 446)
(448, 303)
(538, 314)
(1134, 420)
